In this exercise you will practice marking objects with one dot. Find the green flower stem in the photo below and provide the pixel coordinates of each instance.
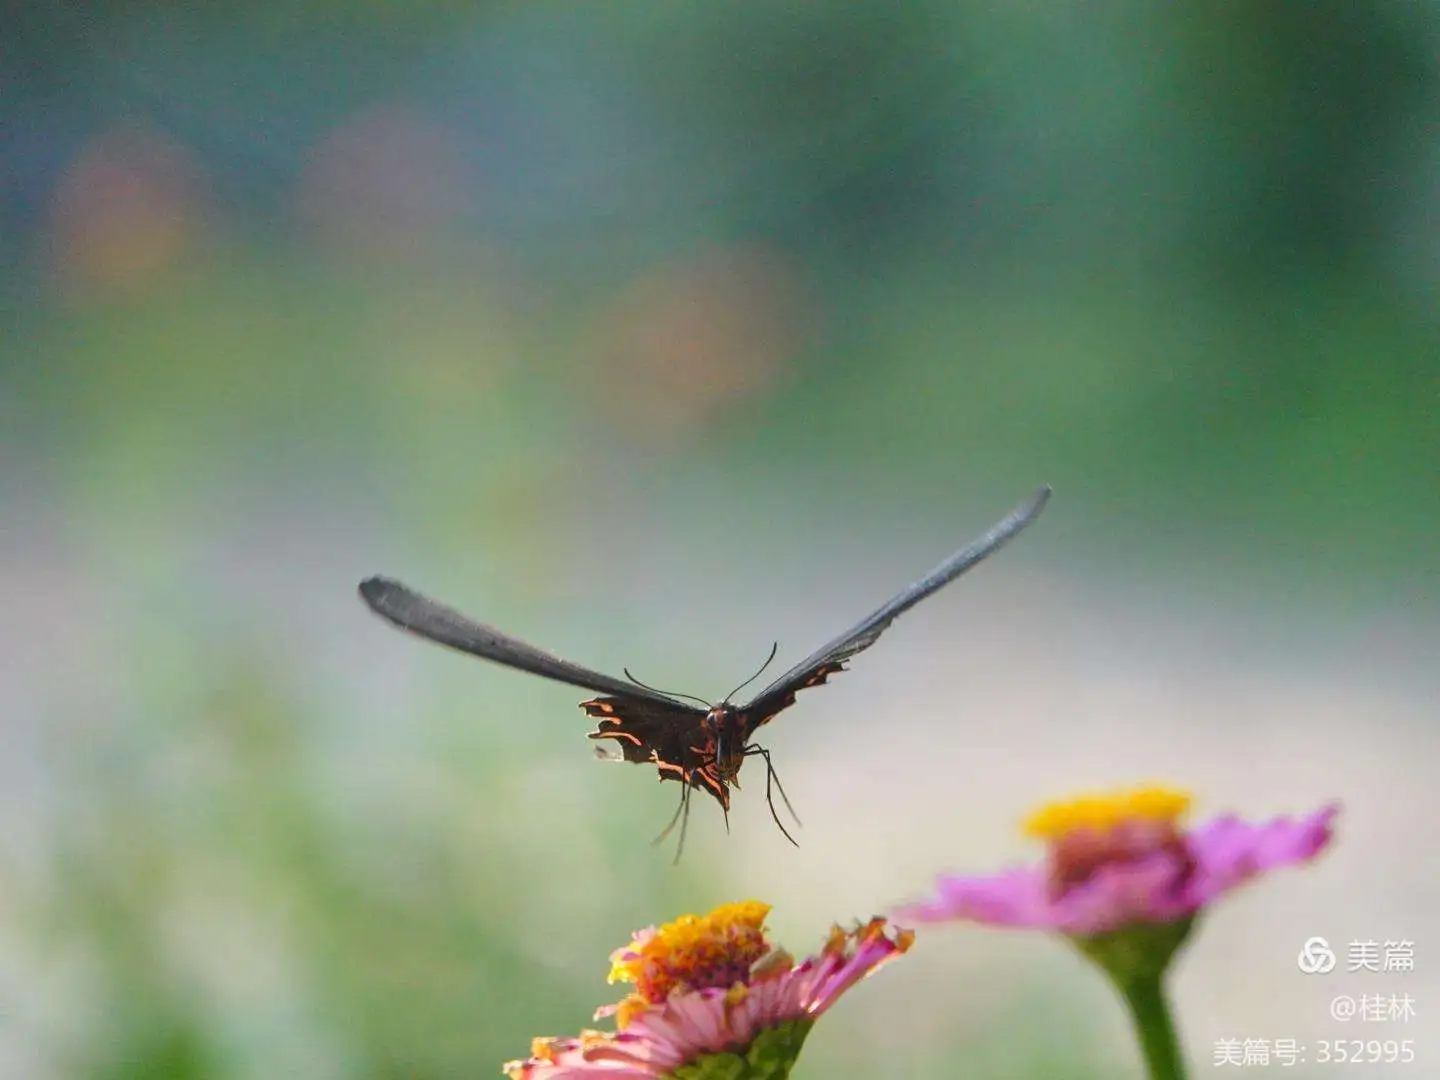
(1155, 1028)
(1136, 959)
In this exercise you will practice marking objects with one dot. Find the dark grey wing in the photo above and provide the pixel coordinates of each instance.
(410, 611)
(829, 659)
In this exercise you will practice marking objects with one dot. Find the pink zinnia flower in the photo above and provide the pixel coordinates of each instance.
(1125, 883)
(1123, 860)
(712, 992)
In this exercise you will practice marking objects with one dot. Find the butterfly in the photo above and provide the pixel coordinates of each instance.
(702, 745)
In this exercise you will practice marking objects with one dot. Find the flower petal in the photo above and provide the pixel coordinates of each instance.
(1229, 851)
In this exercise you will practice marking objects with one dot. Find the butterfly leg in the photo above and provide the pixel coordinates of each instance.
(684, 800)
(684, 824)
(772, 775)
(682, 816)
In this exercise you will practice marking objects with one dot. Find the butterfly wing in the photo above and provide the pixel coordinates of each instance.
(420, 615)
(830, 658)
(668, 737)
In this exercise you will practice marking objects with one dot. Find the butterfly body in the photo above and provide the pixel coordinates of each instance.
(703, 746)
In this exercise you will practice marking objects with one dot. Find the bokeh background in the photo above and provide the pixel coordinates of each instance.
(654, 334)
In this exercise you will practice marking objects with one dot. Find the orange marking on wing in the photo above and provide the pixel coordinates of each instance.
(635, 739)
(823, 674)
(722, 793)
(711, 782)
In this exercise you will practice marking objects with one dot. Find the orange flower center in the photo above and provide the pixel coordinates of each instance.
(1093, 831)
(695, 952)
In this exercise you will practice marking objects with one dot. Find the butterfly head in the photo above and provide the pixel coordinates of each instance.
(725, 725)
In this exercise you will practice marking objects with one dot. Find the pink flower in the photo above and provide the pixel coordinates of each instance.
(1118, 861)
(712, 990)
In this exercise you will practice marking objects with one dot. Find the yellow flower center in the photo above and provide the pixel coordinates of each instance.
(1088, 833)
(1101, 813)
(694, 952)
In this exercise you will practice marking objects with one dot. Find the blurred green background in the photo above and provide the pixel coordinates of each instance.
(654, 333)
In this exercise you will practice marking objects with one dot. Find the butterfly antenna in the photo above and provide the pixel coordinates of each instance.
(773, 649)
(667, 693)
